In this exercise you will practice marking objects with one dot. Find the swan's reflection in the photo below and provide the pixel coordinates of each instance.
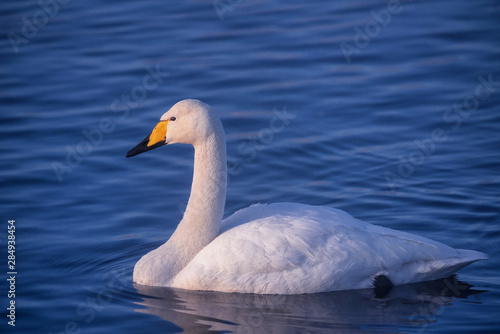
(340, 312)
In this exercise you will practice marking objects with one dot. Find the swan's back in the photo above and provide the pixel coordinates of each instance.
(289, 248)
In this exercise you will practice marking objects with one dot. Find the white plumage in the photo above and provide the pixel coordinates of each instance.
(282, 248)
(290, 248)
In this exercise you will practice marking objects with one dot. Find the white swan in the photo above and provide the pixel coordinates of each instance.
(283, 248)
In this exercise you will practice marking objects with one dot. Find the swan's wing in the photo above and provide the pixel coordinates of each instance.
(293, 248)
(299, 211)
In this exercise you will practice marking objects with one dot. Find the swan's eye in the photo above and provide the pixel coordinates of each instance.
(173, 118)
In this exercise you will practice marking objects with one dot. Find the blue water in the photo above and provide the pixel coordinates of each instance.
(392, 114)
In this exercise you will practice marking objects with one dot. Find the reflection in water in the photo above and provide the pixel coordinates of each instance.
(414, 305)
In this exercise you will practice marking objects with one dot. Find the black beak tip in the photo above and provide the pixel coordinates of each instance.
(134, 152)
(139, 148)
(143, 147)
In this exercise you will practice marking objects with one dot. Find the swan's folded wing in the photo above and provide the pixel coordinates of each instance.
(255, 256)
(284, 248)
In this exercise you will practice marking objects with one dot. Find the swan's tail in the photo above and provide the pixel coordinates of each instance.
(464, 258)
(420, 271)
(470, 256)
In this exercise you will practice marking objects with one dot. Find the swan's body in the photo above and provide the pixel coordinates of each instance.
(284, 248)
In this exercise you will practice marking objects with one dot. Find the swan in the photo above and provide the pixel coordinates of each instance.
(281, 248)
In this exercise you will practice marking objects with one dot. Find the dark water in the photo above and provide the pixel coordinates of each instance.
(392, 115)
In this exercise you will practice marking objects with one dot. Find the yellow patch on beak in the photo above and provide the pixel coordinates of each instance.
(158, 134)
(155, 139)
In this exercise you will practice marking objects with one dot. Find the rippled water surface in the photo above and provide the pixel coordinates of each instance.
(390, 112)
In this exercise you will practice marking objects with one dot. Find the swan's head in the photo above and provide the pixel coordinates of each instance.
(187, 122)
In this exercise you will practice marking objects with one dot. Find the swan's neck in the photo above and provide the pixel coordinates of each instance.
(205, 209)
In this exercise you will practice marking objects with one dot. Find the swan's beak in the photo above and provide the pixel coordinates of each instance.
(154, 140)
